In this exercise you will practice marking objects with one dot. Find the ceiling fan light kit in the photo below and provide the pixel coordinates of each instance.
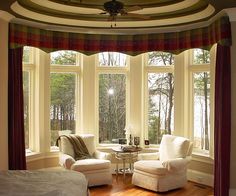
(115, 8)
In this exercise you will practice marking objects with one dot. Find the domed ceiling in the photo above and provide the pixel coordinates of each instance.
(121, 14)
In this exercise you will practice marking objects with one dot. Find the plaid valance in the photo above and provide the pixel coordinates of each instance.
(175, 42)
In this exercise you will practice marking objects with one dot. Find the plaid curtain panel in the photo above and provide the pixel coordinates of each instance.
(175, 42)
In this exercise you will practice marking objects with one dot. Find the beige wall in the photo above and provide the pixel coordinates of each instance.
(43, 163)
(3, 94)
(233, 107)
(200, 166)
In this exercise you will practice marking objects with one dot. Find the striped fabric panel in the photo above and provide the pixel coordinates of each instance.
(174, 42)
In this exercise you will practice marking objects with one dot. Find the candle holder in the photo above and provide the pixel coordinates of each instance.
(136, 141)
(130, 140)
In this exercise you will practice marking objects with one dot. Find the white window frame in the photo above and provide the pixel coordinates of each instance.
(152, 69)
(197, 68)
(110, 70)
(69, 69)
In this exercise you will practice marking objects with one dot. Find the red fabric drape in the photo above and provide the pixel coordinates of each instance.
(133, 44)
(16, 139)
(222, 121)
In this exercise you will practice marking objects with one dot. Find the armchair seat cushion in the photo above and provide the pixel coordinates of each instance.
(91, 164)
(150, 166)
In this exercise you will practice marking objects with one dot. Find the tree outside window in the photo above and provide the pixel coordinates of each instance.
(112, 107)
(62, 109)
(201, 91)
(112, 59)
(63, 57)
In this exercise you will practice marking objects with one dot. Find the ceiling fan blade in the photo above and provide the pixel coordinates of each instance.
(133, 8)
(138, 16)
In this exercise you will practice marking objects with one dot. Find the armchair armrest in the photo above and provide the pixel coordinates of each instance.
(177, 164)
(102, 155)
(148, 156)
(66, 160)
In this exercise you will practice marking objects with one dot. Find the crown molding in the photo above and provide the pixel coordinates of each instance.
(231, 13)
(53, 27)
(6, 16)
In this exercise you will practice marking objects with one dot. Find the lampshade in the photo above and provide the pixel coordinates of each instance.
(128, 129)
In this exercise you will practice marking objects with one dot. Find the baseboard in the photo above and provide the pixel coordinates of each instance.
(200, 177)
(232, 192)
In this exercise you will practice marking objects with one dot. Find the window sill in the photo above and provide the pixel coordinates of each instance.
(108, 148)
(196, 156)
(34, 156)
(201, 157)
(54, 149)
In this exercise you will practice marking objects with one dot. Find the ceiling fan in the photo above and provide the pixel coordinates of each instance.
(115, 8)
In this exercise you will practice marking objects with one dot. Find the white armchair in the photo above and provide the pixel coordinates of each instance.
(97, 170)
(165, 170)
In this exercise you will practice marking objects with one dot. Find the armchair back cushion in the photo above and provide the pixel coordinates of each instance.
(67, 148)
(173, 147)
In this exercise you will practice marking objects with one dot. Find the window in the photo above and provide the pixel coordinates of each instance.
(63, 107)
(201, 56)
(63, 87)
(201, 112)
(201, 99)
(155, 93)
(112, 107)
(160, 84)
(28, 78)
(112, 96)
(160, 59)
(26, 90)
(64, 57)
(160, 113)
(112, 59)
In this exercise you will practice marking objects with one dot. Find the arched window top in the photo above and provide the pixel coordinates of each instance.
(112, 59)
(157, 58)
(64, 57)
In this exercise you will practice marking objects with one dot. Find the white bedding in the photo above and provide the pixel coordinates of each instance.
(42, 183)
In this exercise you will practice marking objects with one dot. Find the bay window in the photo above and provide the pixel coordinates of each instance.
(104, 93)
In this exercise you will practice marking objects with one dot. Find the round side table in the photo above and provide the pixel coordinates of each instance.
(128, 155)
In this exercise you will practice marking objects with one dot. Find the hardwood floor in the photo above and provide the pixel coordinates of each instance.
(122, 187)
